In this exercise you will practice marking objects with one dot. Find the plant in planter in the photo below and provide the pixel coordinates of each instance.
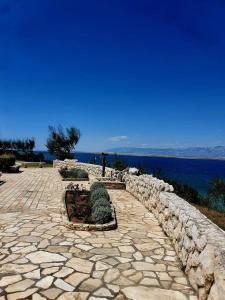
(101, 215)
(74, 174)
(96, 185)
(101, 202)
(89, 207)
(97, 194)
(101, 210)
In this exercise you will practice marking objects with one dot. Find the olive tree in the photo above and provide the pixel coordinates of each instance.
(62, 142)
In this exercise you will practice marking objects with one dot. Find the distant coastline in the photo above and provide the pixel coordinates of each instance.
(164, 156)
(203, 153)
(147, 155)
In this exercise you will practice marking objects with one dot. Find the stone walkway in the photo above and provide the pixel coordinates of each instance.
(41, 259)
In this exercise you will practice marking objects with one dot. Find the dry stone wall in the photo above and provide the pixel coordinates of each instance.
(199, 243)
(94, 170)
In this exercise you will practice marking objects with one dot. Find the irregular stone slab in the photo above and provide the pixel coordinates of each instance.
(123, 260)
(36, 274)
(130, 272)
(50, 265)
(150, 281)
(112, 261)
(21, 261)
(138, 255)
(90, 284)
(98, 274)
(61, 284)
(103, 292)
(39, 257)
(80, 265)
(49, 271)
(63, 272)
(20, 286)
(106, 251)
(58, 249)
(21, 295)
(122, 281)
(136, 277)
(13, 268)
(101, 266)
(84, 247)
(164, 276)
(29, 239)
(76, 278)
(114, 288)
(7, 280)
(147, 246)
(43, 244)
(74, 296)
(144, 266)
(26, 250)
(45, 282)
(38, 297)
(146, 293)
(9, 258)
(111, 275)
(52, 293)
(97, 257)
(127, 249)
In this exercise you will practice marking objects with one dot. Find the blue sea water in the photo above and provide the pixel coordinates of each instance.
(197, 173)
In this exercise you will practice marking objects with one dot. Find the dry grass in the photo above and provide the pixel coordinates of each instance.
(216, 217)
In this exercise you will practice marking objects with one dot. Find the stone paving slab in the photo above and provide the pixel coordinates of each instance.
(41, 259)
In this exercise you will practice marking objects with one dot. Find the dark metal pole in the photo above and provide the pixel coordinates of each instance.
(103, 164)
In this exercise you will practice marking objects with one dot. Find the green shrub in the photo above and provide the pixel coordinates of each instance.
(74, 173)
(185, 191)
(6, 161)
(97, 185)
(101, 202)
(119, 164)
(82, 173)
(216, 195)
(101, 215)
(97, 194)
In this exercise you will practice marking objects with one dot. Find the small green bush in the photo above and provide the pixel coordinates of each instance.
(97, 185)
(82, 173)
(101, 215)
(6, 161)
(101, 202)
(74, 173)
(97, 194)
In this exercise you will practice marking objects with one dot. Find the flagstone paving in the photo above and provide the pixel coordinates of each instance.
(41, 259)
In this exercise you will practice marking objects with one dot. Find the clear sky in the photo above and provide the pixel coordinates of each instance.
(136, 73)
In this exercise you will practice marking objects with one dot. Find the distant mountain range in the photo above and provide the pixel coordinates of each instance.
(217, 152)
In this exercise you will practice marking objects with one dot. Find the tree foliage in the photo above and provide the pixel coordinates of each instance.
(185, 191)
(216, 194)
(119, 164)
(23, 145)
(62, 143)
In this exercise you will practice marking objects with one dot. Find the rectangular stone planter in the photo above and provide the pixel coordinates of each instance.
(75, 179)
(112, 184)
(84, 226)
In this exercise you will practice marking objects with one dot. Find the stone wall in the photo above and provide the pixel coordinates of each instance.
(94, 170)
(199, 243)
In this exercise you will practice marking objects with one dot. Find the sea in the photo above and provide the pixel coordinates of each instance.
(197, 173)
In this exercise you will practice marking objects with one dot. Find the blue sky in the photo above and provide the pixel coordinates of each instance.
(126, 73)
